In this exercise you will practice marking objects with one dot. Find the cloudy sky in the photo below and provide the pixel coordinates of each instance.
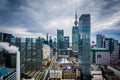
(33, 18)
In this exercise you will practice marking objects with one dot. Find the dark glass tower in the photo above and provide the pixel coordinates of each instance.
(84, 46)
(60, 39)
(66, 42)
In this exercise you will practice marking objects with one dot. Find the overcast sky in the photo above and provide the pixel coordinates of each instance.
(33, 18)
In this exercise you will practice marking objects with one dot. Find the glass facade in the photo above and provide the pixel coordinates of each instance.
(66, 42)
(23, 55)
(75, 38)
(50, 42)
(109, 44)
(39, 55)
(30, 53)
(100, 41)
(84, 46)
(60, 39)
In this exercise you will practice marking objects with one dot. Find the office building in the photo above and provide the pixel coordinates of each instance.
(100, 56)
(100, 41)
(39, 54)
(115, 54)
(29, 45)
(51, 42)
(109, 44)
(60, 40)
(84, 46)
(66, 42)
(112, 45)
(75, 36)
(30, 53)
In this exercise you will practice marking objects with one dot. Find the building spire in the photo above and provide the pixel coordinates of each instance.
(76, 22)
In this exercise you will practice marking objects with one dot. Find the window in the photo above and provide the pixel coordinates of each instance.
(99, 56)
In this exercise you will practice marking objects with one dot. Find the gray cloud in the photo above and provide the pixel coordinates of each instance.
(110, 33)
(45, 16)
(110, 7)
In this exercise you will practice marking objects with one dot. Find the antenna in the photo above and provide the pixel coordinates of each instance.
(76, 22)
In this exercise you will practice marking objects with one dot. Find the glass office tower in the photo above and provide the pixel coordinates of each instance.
(84, 46)
(60, 39)
(100, 41)
(66, 42)
(75, 39)
(75, 36)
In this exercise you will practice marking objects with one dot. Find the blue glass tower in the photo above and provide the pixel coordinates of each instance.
(84, 46)
(66, 42)
(60, 39)
(75, 36)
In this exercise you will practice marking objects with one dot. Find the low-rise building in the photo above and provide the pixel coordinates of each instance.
(55, 72)
(70, 71)
(63, 69)
(100, 56)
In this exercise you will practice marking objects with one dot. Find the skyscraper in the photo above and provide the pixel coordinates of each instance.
(109, 44)
(66, 42)
(100, 41)
(75, 36)
(60, 39)
(84, 46)
(39, 54)
(50, 42)
(112, 45)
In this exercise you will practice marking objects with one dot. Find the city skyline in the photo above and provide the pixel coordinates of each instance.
(37, 18)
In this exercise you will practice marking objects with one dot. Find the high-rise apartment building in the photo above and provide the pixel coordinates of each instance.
(84, 46)
(39, 54)
(30, 53)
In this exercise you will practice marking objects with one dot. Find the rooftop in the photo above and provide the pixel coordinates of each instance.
(100, 49)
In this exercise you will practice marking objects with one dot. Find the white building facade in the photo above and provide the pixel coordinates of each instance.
(46, 51)
(100, 56)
